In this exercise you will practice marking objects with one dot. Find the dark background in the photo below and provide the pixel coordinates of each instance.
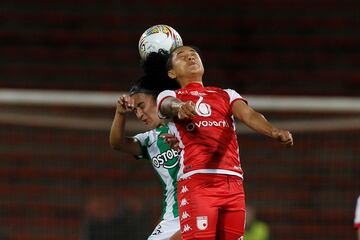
(258, 47)
(55, 181)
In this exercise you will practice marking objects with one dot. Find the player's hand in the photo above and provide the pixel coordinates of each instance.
(124, 104)
(187, 110)
(284, 137)
(171, 140)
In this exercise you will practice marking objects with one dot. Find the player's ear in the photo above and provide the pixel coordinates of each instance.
(172, 74)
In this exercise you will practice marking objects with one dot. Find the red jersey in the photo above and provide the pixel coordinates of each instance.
(209, 139)
(357, 214)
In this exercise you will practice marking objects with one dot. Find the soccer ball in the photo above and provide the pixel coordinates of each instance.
(158, 37)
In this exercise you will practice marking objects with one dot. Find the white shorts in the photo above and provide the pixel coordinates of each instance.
(165, 229)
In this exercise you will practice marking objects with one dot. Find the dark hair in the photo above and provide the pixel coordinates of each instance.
(156, 78)
(142, 86)
(155, 63)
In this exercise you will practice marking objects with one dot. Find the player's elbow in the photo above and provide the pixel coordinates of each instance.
(115, 144)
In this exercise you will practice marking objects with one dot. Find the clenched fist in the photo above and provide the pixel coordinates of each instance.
(186, 110)
(283, 136)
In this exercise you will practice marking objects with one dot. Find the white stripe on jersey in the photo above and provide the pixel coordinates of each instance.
(234, 95)
(161, 97)
(211, 171)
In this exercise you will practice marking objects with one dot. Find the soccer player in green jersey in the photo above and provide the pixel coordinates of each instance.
(152, 146)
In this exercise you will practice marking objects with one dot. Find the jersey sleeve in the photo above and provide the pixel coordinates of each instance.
(142, 139)
(161, 97)
(357, 214)
(235, 96)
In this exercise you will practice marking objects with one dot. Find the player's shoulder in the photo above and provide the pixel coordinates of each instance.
(164, 94)
(211, 88)
(230, 90)
(143, 135)
(167, 92)
(225, 92)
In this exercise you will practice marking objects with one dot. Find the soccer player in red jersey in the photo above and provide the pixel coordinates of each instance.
(357, 218)
(211, 197)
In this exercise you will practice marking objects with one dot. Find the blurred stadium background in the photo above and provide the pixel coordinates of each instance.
(63, 64)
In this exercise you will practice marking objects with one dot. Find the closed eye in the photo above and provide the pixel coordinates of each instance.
(141, 105)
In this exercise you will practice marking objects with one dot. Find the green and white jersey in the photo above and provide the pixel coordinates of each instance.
(166, 163)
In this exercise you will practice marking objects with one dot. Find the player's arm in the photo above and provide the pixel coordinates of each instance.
(258, 123)
(172, 107)
(118, 140)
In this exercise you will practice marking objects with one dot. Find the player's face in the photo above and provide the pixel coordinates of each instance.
(145, 109)
(186, 62)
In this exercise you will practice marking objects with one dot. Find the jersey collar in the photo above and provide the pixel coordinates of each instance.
(194, 85)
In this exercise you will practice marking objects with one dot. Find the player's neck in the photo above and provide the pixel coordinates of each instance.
(161, 124)
(186, 81)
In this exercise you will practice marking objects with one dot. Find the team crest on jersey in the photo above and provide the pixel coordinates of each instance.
(167, 159)
(202, 222)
